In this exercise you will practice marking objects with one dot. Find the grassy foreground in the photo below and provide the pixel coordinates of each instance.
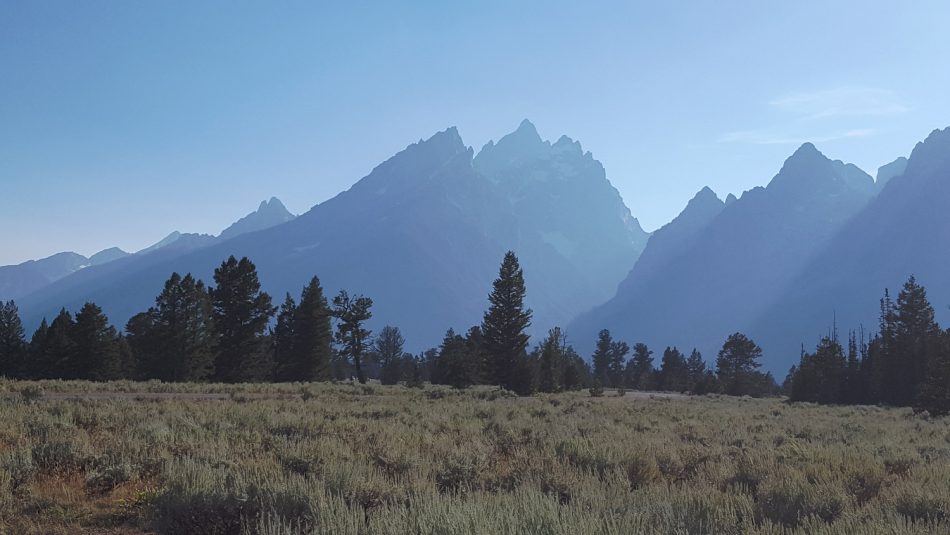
(281, 459)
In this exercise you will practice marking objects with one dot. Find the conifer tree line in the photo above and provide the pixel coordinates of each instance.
(230, 332)
(906, 363)
(233, 332)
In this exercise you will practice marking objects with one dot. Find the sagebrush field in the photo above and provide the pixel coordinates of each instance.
(278, 459)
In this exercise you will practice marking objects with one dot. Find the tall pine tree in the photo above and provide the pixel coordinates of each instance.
(601, 357)
(352, 313)
(241, 312)
(12, 341)
(916, 337)
(504, 328)
(553, 361)
(282, 339)
(389, 353)
(312, 335)
(933, 394)
(59, 358)
(175, 339)
(97, 352)
(640, 367)
(616, 363)
(695, 368)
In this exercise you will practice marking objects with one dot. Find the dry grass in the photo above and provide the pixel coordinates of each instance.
(366, 460)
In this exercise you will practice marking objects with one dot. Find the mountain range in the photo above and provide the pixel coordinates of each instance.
(789, 262)
(423, 233)
(17, 281)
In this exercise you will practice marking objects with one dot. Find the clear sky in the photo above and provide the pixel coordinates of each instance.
(122, 121)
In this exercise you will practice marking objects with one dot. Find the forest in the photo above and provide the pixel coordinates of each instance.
(232, 332)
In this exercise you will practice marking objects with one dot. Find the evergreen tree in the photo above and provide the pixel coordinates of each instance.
(504, 328)
(916, 338)
(354, 340)
(854, 378)
(454, 364)
(820, 377)
(934, 391)
(303, 337)
(640, 367)
(695, 369)
(577, 374)
(708, 384)
(97, 347)
(241, 313)
(616, 363)
(883, 354)
(601, 357)
(59, 359)
(282, 338)
(552, 361)
(12, 341)
(175, 339)
(737, 365)
(673, 375)
(145, 343)
(37, 354)
(389, 353)
(413, 370)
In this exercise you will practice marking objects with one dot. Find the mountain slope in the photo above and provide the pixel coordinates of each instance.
(561, 194)
(734, 267)
(888, 171)
(422, 235)
(269, 213)
(905, 230)
(22, 279)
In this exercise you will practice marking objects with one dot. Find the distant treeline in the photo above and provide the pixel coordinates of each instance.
(232, 332)
(906, 363)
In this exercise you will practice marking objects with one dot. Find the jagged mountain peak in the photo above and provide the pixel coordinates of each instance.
(890, 170)
(273, 205)
(931, 153)
(527, 129)
(415, 166)
(448, 140)
(806, 158)
(270, 213)
(565, 144)
(523, 144)
(808, 172)
(705, 195)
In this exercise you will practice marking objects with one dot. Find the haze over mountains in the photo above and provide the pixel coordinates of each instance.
(23, 279)
(424, 232)
(785, 262)
(904, 231)
(731, 262)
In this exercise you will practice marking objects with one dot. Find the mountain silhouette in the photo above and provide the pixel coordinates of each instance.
(423, 235)
(717, 267)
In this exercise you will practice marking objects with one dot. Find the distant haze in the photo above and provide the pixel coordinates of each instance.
(120, 122)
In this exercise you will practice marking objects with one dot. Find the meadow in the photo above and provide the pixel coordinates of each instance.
(130, 458)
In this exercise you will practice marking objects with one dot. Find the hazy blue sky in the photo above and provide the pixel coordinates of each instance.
(123, 121)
